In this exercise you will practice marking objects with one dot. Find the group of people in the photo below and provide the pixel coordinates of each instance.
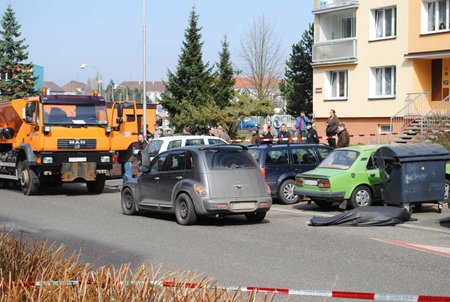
(304, 130)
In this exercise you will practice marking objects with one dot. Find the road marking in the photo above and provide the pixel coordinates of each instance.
(440, 250)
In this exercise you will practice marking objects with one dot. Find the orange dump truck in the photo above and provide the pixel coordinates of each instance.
(51, 139)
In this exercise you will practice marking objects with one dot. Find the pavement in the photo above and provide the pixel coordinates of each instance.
(282, 251)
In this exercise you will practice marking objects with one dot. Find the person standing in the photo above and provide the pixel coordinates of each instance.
(276, 124)
(222, 134)
(283, 134)
(311, 136)
(300, 124)
(332, 127)
(256, 139)
(267, 135)
(343, 137)
(126, 159)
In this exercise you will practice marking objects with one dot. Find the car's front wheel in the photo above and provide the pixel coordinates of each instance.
(128, 202)
(184, 210)
(286, 193)
(361, 197)
(255, 216)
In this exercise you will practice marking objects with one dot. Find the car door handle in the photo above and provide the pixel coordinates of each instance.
(179, 177)
(156, 178)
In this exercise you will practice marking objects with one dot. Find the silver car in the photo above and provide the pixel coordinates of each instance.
(200, 180)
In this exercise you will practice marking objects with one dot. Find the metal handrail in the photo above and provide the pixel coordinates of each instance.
(435, 118)
(417, 105)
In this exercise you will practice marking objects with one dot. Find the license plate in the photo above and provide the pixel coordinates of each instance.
(77, 159)
(243, 205)
(310, 182)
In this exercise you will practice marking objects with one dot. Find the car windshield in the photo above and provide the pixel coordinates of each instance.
(339, 159)
(75, 114)
(154, 146)
(229, 159)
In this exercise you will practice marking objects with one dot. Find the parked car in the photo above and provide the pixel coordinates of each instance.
(347, 174)
(281, 162)
(200, 180)
(247, 124)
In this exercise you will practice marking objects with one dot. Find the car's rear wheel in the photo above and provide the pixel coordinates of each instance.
(286, 192)
(323, 203)
(128, 202)
(255, 216)
(361, 197)
(184, 210)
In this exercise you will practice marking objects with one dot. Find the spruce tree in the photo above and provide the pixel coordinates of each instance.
(297, 84)
(224, 92)
(192, 81)
(16, 77)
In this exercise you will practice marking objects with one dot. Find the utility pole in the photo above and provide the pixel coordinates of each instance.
(144, 90)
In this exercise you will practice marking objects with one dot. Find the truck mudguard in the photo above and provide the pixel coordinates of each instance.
(30, 156)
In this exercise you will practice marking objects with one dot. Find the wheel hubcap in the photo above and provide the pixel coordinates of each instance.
(288, 192)
(183, 209)
(128, 201)
(362, 198)
(24, 178)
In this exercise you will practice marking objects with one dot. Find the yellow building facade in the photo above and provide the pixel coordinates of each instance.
(372, 57)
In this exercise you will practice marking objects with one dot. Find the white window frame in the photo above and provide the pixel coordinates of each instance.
(436, 26)
(374, 25)
(337, 74)
(379, 91)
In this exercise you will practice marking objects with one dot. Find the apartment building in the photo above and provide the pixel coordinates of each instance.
(373, 57)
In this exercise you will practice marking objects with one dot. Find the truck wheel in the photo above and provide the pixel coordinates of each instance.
(286, 192)
(29, 182)
(96, 186)
(361, 197)
(184, 210)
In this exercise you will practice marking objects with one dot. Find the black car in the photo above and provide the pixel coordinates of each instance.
(280, 163)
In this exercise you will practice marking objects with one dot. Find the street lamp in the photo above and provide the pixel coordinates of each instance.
(97, 77)
(144, 90)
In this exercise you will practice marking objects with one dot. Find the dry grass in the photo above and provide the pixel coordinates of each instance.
(21, 262)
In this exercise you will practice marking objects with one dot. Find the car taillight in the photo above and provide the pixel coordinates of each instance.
(200, 191)
(263, 171)
(299, 181)
(324, 183)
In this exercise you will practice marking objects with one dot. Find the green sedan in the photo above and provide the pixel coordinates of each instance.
(346, 175)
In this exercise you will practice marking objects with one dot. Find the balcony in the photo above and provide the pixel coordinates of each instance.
(334, 51)
(323, 6)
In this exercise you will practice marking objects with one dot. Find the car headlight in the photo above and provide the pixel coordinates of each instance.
(105, 159)
(47, 160)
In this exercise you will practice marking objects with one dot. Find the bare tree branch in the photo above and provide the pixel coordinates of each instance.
(262, 58)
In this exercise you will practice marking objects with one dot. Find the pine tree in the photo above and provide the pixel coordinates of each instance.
(297, 85)
(192, 81)
(224, 92)
(16, 77)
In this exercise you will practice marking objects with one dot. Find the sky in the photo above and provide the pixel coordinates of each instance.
(107, 34)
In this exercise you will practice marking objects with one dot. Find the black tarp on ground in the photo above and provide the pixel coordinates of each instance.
(365, 216)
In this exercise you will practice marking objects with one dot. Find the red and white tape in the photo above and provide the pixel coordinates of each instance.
(294, 139)
(260, 290)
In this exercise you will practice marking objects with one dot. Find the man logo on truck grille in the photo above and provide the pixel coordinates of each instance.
(76, 144)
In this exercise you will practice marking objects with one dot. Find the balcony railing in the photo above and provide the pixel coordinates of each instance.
(324, 5)
(334, 51)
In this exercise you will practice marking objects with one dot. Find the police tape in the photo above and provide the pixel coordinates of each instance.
(255, 290)
(294, 139)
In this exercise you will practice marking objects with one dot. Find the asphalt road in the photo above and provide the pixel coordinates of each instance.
(280, 252)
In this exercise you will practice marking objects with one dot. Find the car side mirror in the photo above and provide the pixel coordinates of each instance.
(119, 119)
